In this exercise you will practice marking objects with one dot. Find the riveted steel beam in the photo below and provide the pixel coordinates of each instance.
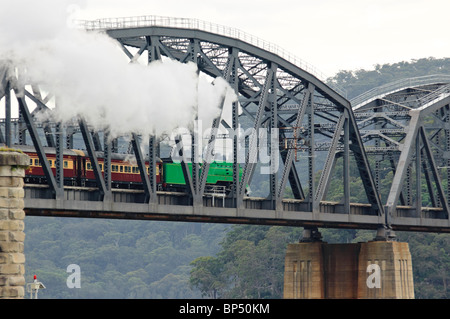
(251, 158)
(434, 171)
(326, 171)
(289, 157)
(87, 137)
(209, 156)
(149, 188)
(38, 145)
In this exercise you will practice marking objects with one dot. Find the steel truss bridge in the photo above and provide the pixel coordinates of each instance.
(393, 141)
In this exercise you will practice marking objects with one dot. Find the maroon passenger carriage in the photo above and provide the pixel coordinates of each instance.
(78, 170)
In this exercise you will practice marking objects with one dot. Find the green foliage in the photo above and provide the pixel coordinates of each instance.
(117, 258)
(250, 265)
(207, 276)
(7, 149)
(431, 264)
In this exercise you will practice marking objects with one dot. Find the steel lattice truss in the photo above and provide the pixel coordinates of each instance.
(405, 128)
(318, 135)
(273, 93)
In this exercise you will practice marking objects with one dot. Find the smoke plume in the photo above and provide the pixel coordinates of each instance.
(91, 77)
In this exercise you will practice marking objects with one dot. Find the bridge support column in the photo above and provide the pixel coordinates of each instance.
(12, 236)
(372, 270)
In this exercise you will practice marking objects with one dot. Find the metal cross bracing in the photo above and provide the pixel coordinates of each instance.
(318, 141)
(265, 83)
(405, 129)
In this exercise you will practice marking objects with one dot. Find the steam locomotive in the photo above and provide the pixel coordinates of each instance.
(78, 171)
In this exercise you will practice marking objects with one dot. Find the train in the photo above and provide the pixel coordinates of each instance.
(78, 171)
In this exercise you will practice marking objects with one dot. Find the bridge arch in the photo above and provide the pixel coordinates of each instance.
(276, 90)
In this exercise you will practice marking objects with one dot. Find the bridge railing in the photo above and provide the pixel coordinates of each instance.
(397, 85)
(196, 24)
(434, 95)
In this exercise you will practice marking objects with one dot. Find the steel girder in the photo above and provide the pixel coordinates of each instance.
(273, 94)
(316, 126)
(406, 132)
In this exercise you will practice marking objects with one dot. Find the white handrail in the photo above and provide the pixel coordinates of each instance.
(196, 24)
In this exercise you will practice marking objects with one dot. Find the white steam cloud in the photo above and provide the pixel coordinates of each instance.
(91, 77)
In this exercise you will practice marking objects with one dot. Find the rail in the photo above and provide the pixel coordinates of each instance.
(397, 85)
(434, 95)
(196, 24)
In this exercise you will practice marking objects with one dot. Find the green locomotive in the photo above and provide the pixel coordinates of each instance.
(220, 176)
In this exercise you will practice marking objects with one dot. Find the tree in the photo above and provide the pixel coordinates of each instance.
(206, 276)
(250, 265)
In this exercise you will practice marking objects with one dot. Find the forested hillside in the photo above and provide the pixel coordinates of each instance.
(117, 258)
(149, 259)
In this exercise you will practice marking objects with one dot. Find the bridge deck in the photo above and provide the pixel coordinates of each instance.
(128, 204)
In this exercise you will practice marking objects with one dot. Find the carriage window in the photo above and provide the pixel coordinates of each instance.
(88, 165)
(50, 162)
(101, 167)
(114, 168)
(121, 168)
(66, 164)
(31, 161)
(36, 162)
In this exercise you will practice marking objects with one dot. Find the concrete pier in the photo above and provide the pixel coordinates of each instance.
(12, 236)
(372, 270)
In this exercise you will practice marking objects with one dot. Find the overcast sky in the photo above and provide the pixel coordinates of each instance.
(332, 35)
